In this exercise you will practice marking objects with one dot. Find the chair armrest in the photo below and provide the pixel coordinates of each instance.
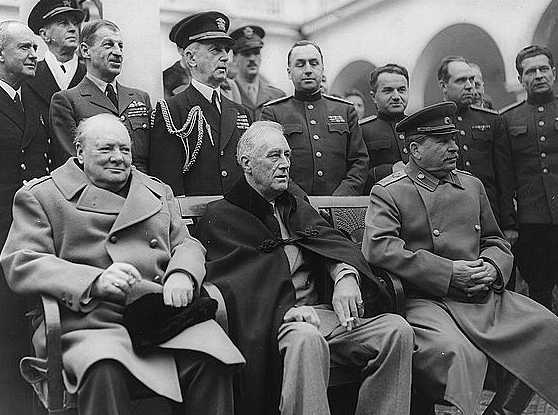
(394, 284)
(55, 382)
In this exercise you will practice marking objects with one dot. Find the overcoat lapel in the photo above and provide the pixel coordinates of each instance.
(140, 204)
(93, 94)
(78, 76)
(8, 107)
(228, 122)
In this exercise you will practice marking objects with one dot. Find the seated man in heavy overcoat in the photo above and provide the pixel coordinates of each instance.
(299, 294)
(432, 226)
(94, 234)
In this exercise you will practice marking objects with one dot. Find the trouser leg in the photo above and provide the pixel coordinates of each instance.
(537, 260)
(383, 347)
(206, 385)
(104, 390)
(305, 370)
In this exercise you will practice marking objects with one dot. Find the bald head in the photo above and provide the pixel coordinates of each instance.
(18, 52)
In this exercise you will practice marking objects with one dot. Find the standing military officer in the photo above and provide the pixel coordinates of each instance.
(329, 155)
(254, 91)
(481, 98)
(57, 23)
(481, 133)
(390, 91)
(194, 134)
(531, 173)
(176, 77)
(23, 156)
(99, 92)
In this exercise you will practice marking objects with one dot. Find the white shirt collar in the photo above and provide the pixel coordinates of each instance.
(102, 85)
(62, 78)
(9, 90)
(207, 91)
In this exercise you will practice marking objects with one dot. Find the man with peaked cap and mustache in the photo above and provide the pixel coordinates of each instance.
(194, 134)
(99, 92)
(432, 226)
(57, 22)
(254, 91)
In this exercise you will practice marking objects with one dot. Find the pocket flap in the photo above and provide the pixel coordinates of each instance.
(518, 130)
(379, 144)
(292, 128)
(338, 127)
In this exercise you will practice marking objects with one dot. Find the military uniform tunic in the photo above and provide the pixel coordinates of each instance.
(385, 146)
(329, 155)
(481, 140)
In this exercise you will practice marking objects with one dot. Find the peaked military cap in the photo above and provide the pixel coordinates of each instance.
(199, 27)
(45, 10)
(433, 120)
(247, 37)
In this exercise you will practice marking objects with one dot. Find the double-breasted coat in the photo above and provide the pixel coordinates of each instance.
(416, 225)
(43, 86)
(85, 100)
(66, 232)
(211, 147)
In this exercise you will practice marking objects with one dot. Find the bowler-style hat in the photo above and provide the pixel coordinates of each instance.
(247, 37)
(45, 10)
(199, 27)
(434, 120)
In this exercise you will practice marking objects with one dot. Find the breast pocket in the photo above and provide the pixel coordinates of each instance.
(519, 137)
(289, 129)
(481, 139)
(138, 123)
(338, 127)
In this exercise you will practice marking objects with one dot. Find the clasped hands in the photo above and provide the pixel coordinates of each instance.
(346, 301)
(470, 278)
(116, 282)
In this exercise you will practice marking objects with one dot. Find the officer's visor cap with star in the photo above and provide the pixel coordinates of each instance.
(247, 38)
(434, 120)
(200, 27)
(45, 10)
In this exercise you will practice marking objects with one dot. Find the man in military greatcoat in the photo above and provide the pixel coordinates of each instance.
(390, 92)
(194, 134)
(57, 23)
(530, 174)
(100, 92)
(329, 155)
(432, 226)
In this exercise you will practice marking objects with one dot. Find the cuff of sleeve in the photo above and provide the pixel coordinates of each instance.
(341, 270)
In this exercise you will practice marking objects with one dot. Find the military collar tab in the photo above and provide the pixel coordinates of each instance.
(304, 96)
(427, 180)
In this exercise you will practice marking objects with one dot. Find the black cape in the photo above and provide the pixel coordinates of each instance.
(246, 261)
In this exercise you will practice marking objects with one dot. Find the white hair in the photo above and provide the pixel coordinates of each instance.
(254, 133)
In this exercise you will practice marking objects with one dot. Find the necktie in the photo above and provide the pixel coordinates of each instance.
(112, 95)
(215, 100)
(17, 102)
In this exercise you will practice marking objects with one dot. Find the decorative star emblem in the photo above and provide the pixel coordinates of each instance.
(248, 32)
(220, 23)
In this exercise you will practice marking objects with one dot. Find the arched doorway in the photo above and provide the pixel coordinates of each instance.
(474, 44)
(356, 75)
(546, 33)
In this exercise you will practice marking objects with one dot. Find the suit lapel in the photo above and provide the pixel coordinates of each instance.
(140, 204)
(8, 107)
(125, 97)
(95, 96)
(78, 76)
(228, 122)
(44, 83)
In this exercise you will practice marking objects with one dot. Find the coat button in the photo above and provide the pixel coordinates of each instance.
(420, 176)
(545, 170)
(459, 118)
(402, 136)
(405, 150)
(310, 107)
(541, 123)
(477, 227)
(113, 239)
(122, 118)
(224, 173)
(320, 173)
(468, 163)
(154, 243)
(23, 166)
(48, 140)
(543, 155)
(543, 138)
(316, 137)
(462, 132)
(318, 154)
(540, 109)
(313, 122)
(157, 278)
(144, 125)
(436, 232)
(465, 147)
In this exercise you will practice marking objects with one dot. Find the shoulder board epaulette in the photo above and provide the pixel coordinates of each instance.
(333, 98)
(276, 101)
(36, 181)
(511, 106)
(367, 119)
(490, 111)
(464, 172)
(392, 178)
